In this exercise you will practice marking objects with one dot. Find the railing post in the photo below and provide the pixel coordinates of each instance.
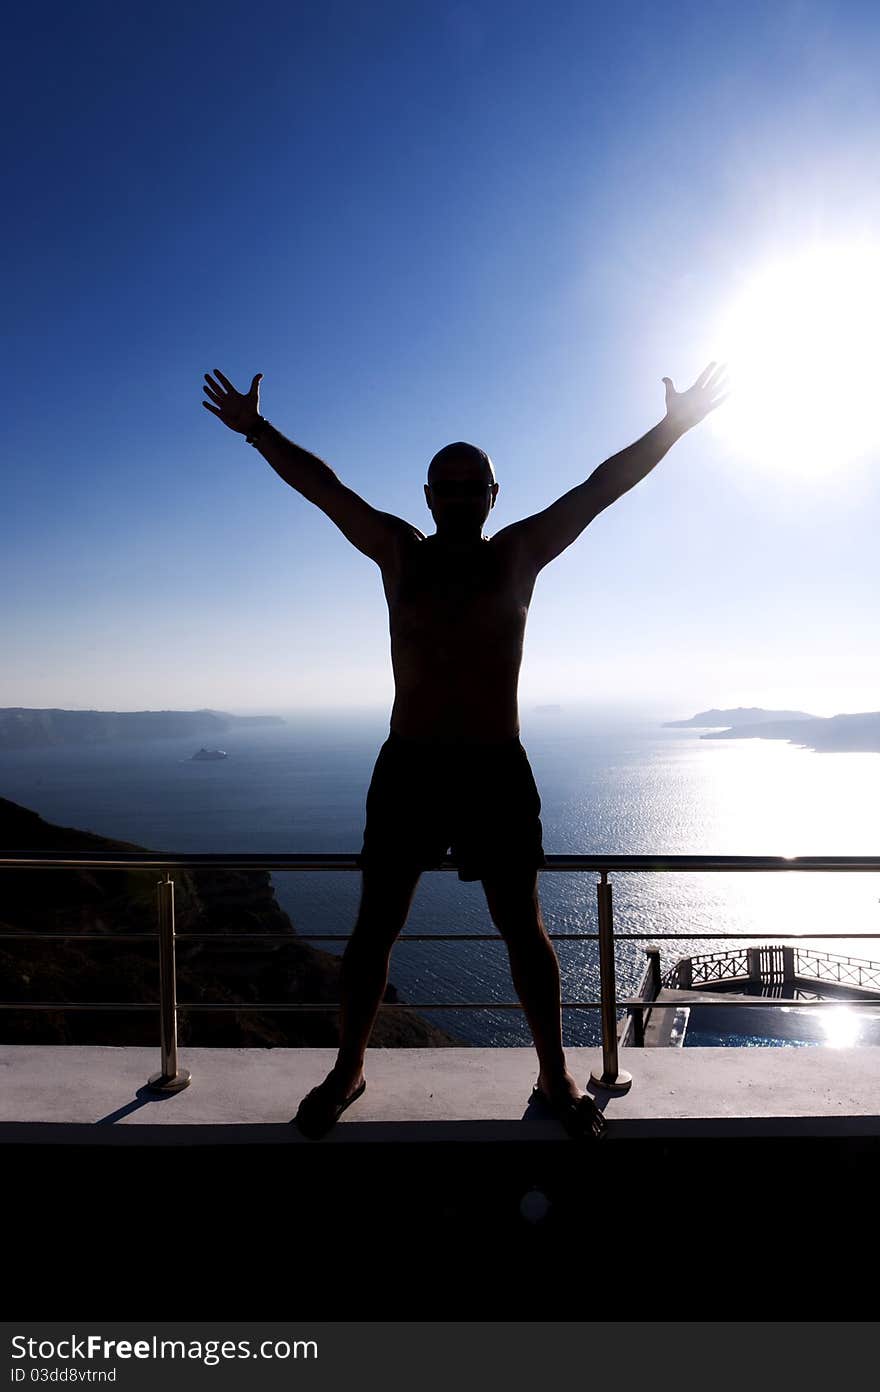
(170, 1078)
(612, 1079)
(654, 985)
(655, 975)
(637, 1021)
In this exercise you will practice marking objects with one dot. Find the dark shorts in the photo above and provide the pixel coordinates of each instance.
(477, 803)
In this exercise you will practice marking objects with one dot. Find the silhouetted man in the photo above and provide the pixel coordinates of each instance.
(452, 775)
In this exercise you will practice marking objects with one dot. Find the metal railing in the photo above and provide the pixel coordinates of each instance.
(172, 1078)
(709, 968)
(843, 971)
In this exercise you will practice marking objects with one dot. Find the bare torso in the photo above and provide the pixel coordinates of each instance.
(457, 618)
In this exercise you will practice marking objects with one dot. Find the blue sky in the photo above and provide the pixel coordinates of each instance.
(422, 223)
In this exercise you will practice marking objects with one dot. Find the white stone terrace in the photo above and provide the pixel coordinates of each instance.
(96, 1094)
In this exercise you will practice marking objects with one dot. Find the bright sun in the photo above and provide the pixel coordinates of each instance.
(801, 344)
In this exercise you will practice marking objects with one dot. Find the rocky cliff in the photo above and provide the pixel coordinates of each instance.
(228, 972)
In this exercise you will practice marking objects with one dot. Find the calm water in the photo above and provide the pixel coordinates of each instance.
(620, 788)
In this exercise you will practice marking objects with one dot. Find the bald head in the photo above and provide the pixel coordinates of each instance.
(461, 491)
(461, 460)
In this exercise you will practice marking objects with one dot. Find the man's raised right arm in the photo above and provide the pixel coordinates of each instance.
(374, 533)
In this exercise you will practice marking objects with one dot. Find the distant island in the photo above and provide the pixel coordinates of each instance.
(24, 728)
(221, 969)
(837, 734)
(204, 753)
(742, 715)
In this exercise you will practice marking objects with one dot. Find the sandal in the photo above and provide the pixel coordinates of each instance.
(582, 1119)
(319, 1112)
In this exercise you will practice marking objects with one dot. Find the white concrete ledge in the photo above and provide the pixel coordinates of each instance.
(95, 1094)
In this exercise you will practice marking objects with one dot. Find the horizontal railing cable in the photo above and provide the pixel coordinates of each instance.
(291, 939)
(759, 1003)
(168, 860)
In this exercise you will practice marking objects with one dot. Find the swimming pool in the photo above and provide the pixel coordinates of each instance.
(780, 1027)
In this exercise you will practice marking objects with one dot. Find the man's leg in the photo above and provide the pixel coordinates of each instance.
(516, 913)
(386, 895)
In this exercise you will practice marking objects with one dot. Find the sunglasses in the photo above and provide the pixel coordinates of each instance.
(459, 488)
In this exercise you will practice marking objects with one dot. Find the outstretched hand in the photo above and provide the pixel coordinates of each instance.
(239, 412)
(686, 409)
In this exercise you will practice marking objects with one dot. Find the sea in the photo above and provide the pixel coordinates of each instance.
(608, 785)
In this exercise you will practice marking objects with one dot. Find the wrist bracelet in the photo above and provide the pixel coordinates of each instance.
(253, 436)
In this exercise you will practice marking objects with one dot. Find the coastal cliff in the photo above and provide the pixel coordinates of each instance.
(222, 972)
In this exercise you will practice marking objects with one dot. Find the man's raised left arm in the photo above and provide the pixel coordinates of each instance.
(547, 533)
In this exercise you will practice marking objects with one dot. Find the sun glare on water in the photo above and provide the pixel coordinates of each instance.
(801, 344)
(841, 1026)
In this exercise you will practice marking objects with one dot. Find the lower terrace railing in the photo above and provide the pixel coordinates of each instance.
(709, 968)
(843, 971)
(171, 1077)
